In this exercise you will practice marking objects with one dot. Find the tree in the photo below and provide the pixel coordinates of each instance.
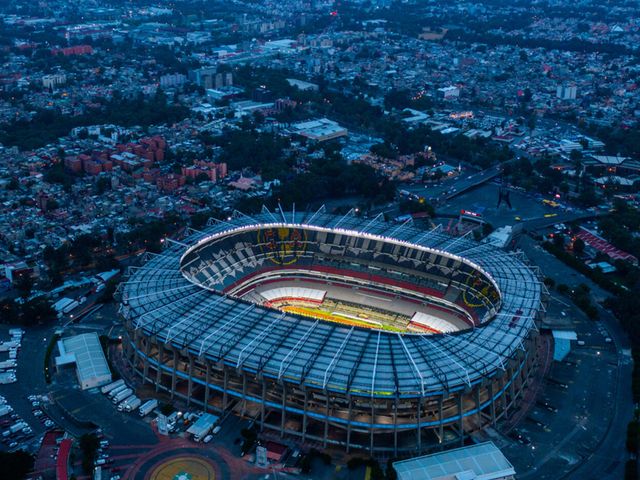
(575, 156)
(391, 472)
(558, 241)
(16, 465)
(633, 437)
(578, 246)
(89, 444)
(106, 295)
(397, 99)
(37, 311)
(103, 183)
(24, 284)
(487, 228)
(9, 311)
(588, 197)
(631, 470)
(411, 206)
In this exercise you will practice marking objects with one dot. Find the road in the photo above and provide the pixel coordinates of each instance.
(604, 458)
(452, 187)
(534, 224)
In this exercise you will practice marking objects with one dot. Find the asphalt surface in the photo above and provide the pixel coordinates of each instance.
(30, 376)
(452, 187)
(586, 436)
(526, 210)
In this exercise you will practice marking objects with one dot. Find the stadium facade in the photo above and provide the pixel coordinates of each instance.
(202, 327)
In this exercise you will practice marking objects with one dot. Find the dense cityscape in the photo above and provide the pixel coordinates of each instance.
(319, 239)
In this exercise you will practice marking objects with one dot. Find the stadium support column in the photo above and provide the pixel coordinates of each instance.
(395, 426)
(503, 395)
(145, 366)
(478, 412)
(283, 418)
(244, 394)
(326, 419)
(349, 423)
(304, 414)
(225, 386)
(136, 348)
(262, 404)
(190, 385)
(512, 387)
(174, 372)
(492, 405)
(418, 429)
(440, 421)
(159, 366)
(373, 417)
(460, 425)
(528, 365)
(207, 389)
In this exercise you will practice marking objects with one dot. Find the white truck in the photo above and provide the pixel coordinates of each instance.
(201, 428)
(5, 410)
(126, 401)
(7, 346)
(64, 306)
(70, 306)
(122, 395)
(123, 403)
(148, 407)
(116, 391)
(132, 405)
(8, 364)
(16, 427)
(112, 386)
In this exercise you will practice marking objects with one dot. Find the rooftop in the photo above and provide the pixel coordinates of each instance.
(86, 352)
(482, 462)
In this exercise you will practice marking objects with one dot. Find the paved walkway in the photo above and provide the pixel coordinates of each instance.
(150, 458)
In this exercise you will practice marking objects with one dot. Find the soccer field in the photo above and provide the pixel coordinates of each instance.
(334, 313)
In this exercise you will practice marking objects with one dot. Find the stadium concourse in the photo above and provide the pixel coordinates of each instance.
(339, 330)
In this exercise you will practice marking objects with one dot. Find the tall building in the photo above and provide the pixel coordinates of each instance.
(205, 76)
(52, 81)
(449, 92)
(566, 92)
(172, 80)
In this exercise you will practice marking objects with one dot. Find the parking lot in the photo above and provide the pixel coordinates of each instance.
(26, 396)
(590, 389)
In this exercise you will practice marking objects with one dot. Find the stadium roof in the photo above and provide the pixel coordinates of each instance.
(483, 461)
(161, 302)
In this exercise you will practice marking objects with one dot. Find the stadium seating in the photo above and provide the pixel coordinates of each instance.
(433, 323)
(308, 294)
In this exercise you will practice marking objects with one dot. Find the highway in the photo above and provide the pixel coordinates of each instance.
(451, 187)
(539, 223)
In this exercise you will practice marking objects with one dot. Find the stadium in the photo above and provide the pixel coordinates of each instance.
(336, 330)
